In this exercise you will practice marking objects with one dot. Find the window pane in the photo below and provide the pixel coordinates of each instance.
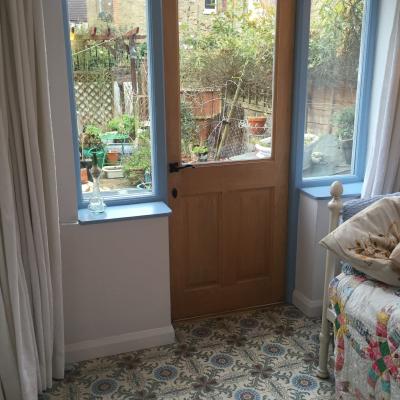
(110, 72)
(334, 50)
(226, 67)
(210, 4)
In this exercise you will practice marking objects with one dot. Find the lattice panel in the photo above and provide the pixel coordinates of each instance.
(94, 98)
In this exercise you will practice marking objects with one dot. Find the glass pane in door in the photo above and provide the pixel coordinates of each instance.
(226, 72)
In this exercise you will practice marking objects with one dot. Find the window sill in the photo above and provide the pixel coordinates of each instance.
(125, 212)
(323, 192)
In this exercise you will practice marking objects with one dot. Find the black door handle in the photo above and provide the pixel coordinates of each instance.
(175, 167)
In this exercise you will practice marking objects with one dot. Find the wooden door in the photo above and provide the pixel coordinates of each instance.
(228, 228)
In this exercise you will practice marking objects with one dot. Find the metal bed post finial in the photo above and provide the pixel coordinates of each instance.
(335, 208)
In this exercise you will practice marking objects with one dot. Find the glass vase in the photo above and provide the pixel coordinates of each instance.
(96, 202)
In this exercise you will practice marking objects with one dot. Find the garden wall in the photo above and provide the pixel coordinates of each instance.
(323, 102)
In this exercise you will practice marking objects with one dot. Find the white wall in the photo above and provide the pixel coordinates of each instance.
(115, 274)
(313, 214)
(116, 287)
(313, 226)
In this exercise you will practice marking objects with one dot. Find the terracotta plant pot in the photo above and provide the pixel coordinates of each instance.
(84, 175)
(257, 125)
(112, 157)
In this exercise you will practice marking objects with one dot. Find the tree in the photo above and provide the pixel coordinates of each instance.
(335, 37)
(214, 54)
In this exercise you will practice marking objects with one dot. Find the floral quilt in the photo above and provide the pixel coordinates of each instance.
(367, 337)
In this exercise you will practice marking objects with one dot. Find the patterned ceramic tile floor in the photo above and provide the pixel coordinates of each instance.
(264, 354)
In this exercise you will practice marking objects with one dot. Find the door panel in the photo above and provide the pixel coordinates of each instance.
(202, 238)
(229, 221)
(251, 232)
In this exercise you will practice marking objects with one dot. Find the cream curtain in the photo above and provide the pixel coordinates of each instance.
(383, 168)
(31, 313)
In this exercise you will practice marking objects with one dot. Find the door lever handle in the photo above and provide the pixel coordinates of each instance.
(175, 167)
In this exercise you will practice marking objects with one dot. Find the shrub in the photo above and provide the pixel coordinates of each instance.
(216, 54)
(91, 138)
(200, 150)
(124, 124)
(136, 165)
(344, 122)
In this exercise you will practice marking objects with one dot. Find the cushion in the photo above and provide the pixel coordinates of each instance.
(370, 240)
(354, 206)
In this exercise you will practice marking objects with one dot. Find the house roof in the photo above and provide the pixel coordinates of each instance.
(77, 10)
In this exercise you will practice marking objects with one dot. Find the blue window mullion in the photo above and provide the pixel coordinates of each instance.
(300, 90)
(72, 104)
(365, 75)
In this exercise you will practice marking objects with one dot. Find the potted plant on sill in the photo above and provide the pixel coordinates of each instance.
(344, 122)
(92, 144)
(201, 153)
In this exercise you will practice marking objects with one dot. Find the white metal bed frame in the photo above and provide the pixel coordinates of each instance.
(335, 208)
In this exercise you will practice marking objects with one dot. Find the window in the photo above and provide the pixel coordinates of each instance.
(210, 6)
(115, 84)
(335, 96)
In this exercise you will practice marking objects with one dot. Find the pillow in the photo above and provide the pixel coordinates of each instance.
(352, 207)
(370, 241)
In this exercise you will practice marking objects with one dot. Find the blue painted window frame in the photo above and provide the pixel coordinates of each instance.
(157, 110)
(365, 73)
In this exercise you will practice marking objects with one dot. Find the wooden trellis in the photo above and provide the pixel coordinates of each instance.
(94, 97)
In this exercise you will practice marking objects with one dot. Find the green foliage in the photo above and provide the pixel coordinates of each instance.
(124, 124)
(141, 51)
(344, 122)
(105, 16)
(136, 165)
(90, 55)
(217, 52)
(115, 124)
(189, 127)
(198, 150)
(335, 36)
(91, 138)
(140, 159)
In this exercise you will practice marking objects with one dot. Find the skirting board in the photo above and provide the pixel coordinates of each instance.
(111, 345)
(312, 308)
